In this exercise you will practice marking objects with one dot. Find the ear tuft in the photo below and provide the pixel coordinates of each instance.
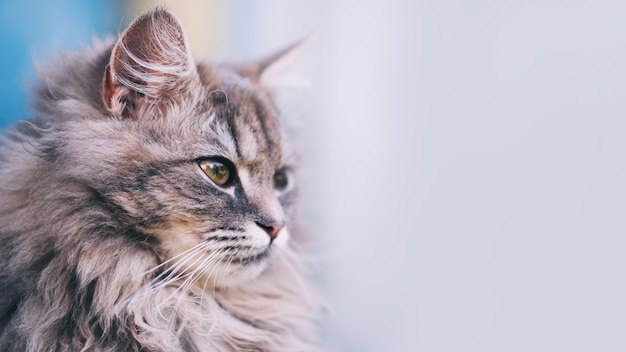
(276, 70)
(150, 59)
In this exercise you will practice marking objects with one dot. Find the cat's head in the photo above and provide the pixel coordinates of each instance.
(190, 154)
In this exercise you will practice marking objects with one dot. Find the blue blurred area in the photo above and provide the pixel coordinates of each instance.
(32, 30)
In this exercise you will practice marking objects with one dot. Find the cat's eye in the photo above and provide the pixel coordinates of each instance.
(217, 171)
(280, 180)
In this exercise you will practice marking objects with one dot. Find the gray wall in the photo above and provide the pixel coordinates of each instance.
(466, 161)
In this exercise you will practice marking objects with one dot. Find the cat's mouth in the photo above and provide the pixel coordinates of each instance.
(252, 259)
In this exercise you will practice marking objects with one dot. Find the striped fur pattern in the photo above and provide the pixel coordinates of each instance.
(113, 238)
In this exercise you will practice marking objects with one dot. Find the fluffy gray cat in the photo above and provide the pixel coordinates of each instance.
(149, 206)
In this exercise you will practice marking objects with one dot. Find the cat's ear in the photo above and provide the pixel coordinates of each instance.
(276, 70)
(148, 62)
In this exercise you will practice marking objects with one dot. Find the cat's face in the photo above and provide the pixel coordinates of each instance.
(229, 199)
(192, 156)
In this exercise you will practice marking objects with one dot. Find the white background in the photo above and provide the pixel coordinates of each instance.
(466, 169)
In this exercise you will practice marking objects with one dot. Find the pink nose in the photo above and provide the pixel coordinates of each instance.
(272, 227)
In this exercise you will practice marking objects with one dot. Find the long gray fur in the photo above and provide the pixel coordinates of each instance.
(113, 239)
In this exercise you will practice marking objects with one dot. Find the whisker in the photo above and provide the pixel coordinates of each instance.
(169, 275)
(189, 281)
(182, 290)
(175, 268)
(207, 275)
(185, 252)
(175, 276)
(223, 276)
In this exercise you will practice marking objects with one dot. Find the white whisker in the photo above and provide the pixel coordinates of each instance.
(169, 275)
(181, 263)
(172, 259)
(192, 279)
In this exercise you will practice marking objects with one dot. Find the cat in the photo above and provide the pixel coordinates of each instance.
(150, 205)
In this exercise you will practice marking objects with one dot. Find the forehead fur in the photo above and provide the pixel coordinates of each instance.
(242, 106)
(223, 112)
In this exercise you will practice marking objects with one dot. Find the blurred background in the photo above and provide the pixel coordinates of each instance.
(465, 169)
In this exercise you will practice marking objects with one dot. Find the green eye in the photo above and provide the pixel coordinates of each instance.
(217, 171)
(280, 180)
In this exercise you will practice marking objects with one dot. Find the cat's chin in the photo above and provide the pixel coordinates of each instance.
(230, 274)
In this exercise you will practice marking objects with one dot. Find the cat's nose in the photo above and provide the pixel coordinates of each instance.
(272, 227)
